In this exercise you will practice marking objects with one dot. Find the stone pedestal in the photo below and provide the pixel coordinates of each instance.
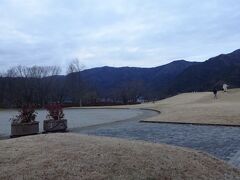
(55, 125)
(23, 129)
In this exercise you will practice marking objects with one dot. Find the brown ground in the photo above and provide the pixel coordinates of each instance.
(198, 108)
(73, 156)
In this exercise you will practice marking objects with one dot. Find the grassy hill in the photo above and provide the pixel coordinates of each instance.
(73, 156)
(199, 108)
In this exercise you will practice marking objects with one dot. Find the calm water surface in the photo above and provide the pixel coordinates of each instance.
(77, 118)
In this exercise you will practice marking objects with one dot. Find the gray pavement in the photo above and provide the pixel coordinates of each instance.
(222, 142)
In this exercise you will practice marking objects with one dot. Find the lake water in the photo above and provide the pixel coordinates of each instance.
(77, 118)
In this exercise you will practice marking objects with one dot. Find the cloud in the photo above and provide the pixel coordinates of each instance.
(116, 33)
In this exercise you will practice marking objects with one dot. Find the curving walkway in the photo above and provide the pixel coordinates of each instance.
(222, 142)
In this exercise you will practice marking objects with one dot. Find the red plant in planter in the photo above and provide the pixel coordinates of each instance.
(27, 114)
(55, 111)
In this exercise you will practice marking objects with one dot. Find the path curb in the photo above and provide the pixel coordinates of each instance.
(186, 123)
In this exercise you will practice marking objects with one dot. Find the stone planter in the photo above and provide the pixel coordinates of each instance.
(55, 125)
(23, 129)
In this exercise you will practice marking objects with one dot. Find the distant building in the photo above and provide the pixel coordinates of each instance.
(140, 100)
(67, 101)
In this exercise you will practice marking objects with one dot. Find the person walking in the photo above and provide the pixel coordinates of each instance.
(225, 86)
(215, 92)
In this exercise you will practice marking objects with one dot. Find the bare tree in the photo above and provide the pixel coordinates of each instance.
(74, 66)
(2, 87)
(45, 82)
(129, 91)
(74, 80)
(31, 84)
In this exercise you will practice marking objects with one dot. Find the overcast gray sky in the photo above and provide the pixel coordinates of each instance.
(142, 33)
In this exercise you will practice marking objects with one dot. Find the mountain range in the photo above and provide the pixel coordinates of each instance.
(163, 81)
(112, 86)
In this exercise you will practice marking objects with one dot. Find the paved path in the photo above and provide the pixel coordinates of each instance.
(222, 142)
(235, 160)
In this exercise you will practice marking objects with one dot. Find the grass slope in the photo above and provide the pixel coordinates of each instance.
(199, 108)
(73, 156)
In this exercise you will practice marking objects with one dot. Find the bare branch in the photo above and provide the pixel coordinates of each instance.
(75, 66)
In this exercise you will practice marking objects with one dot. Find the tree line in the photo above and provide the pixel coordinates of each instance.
(41, 85)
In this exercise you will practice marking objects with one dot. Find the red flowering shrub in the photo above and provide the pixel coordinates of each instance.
(26, 114)
(55, 111)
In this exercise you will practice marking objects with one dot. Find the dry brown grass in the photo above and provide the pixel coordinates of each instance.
(73, 156)
(198, 108)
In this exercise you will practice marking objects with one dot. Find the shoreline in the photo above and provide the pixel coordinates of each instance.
(145, 114)
(66, 155)
(190, 108)
(198, 108)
